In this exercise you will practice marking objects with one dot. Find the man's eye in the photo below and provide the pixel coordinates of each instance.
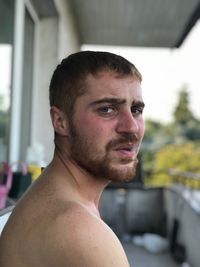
(136, 110)
(106, 110)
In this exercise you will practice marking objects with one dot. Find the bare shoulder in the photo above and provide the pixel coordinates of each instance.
(79, 238)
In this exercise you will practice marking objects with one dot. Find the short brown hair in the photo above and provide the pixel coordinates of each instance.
(68, 80)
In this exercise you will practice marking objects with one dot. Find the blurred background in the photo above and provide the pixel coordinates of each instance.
(162, 38)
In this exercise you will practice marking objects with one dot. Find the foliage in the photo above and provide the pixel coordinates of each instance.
(172, 146)
(182, 113)
(4, 117)
(182, 157)
(179, 157)
(3, 124)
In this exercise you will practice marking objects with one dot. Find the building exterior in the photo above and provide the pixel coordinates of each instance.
(39, 34)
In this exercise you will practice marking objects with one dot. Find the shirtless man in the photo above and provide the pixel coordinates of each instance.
(96, 111)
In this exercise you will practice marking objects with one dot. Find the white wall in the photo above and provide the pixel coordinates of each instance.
(42, 132)
(57, 38)
(68, 39)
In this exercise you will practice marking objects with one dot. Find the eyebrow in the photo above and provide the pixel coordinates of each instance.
(116, 101)
(109, 100)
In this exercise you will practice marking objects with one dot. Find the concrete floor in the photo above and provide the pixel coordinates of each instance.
(140, 257)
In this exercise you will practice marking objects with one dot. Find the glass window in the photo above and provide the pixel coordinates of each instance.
(27, 85)
(6, 47)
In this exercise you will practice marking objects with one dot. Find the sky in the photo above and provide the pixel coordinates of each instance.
(164, 73)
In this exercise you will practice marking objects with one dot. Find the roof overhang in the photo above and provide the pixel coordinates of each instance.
(138, 23)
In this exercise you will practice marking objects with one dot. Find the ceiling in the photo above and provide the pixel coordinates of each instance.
(139, 23)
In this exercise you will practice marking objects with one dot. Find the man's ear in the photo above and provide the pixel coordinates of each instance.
(59, 121)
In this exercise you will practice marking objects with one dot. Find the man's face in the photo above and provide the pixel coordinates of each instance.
(107, 126)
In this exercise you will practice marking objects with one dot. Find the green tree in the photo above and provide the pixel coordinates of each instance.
(186, 124)
(175, 157)
(169, 146)
(156, 136)
(182, 112)
(3, 120)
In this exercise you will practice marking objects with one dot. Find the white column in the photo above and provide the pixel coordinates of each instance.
(15, 125)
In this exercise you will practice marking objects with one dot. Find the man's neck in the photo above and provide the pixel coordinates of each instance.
(83, 185)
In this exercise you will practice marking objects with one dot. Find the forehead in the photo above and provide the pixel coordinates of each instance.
(110, 84)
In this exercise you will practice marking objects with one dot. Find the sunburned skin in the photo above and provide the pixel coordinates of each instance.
(57, 222)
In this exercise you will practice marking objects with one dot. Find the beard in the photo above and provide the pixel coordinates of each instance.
(102, 165)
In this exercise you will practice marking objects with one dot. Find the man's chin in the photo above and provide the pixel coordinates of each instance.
(111, 169)
(123, 178)
(126, 163)
(125, 173)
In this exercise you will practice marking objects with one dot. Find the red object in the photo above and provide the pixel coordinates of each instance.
(5, 187)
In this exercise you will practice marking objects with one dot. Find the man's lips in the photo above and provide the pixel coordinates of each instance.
(127, 150)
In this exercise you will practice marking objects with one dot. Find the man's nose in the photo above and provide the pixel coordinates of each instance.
(127, 123)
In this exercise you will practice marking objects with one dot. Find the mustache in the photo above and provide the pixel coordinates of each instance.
(125, 138)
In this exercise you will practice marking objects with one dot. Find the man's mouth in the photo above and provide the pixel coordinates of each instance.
(127, 150)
